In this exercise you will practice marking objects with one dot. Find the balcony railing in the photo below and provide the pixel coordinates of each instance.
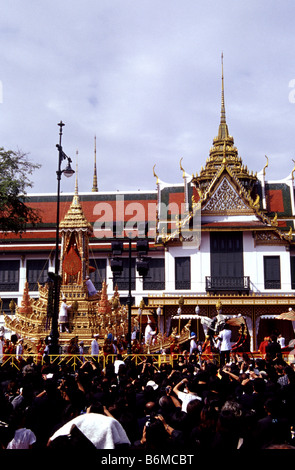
(241, 284)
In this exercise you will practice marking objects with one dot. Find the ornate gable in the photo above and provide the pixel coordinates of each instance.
(225, 199)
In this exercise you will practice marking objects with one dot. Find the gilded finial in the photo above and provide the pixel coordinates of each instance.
(266, 165)
(183, 174)
(293, 170)
(155, 174)
(218, 305)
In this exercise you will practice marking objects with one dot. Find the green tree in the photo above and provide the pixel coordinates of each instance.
(15, 213)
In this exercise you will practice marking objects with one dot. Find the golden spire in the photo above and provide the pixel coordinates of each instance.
(223, 129)
(94, 187)
(76, 200)
(75, 218)
(76, 180)
(223, 154)
(222, 92)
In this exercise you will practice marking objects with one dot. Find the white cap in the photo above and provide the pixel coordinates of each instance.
(153, 384)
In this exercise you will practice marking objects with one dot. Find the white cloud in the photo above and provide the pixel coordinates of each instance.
(144, 77)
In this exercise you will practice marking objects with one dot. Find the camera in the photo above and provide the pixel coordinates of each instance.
(150, 420)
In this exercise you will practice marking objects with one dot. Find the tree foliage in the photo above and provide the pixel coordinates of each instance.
(15, 213)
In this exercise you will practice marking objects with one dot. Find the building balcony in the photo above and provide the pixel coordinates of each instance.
(228, 284)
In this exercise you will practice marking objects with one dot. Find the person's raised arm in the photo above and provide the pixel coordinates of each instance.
(176, 388)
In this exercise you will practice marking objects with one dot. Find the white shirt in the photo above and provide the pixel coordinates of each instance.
(94, 347)
(63, 312)
(90, 287)
(133, 334)
(224, 337)
(117, 364)
(104, 432)
(19, 350)
(282, 342)
(186, 398)
(193, 345)
(148, 334)
(23, 439)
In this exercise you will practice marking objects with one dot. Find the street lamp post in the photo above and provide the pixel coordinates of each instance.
(129, 300)
(68, 171)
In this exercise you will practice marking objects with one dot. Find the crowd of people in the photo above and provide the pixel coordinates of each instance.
(191, 404)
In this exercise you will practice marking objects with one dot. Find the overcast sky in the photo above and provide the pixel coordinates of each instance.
(144, 77)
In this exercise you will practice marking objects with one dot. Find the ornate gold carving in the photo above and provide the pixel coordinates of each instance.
(218, 305)
(257, 202)
(268, 237)
(225, 199)
(274, 221)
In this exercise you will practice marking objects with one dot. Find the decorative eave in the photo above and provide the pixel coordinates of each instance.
(271, 238)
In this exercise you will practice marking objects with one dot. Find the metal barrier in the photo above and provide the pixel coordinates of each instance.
(75, 361)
